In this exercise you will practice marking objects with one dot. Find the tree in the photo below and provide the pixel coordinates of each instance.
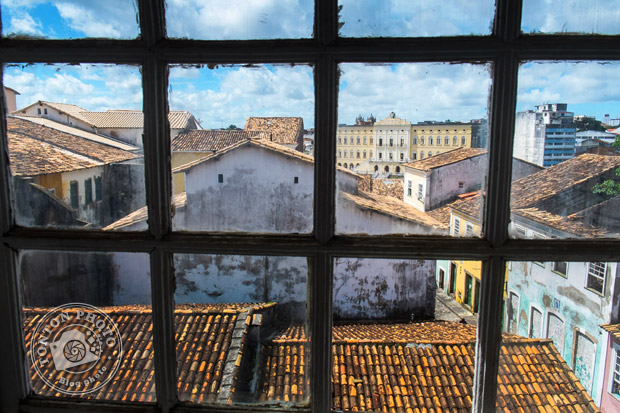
(610, 186)
(589, 123)
(232, 127)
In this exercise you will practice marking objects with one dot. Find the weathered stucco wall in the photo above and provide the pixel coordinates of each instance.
(243, 278)
(382, 288)
(444, 182)
(565, 299)
(258, 193)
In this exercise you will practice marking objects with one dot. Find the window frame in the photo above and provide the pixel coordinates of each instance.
(505, 48)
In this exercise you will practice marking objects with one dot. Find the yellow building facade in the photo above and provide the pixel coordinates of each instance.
(383, 146)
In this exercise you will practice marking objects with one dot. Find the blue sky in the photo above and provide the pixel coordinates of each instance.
(228, 95)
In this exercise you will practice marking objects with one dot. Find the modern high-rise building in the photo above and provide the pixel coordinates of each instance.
(545, 136)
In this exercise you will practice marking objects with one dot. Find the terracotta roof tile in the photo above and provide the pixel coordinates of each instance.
(282, 130)
(123, 119)
(532, 189)
(36, 150)
(416, 367)
(393, 208)
(569, 224)
(208, 140)
(445, 158)
(203, 334)
(141, 214)
(613, 329)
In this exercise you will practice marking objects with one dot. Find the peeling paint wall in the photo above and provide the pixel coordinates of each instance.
(380, 288)
(570, 313)
(243, 278)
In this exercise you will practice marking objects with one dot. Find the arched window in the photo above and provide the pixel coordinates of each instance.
(356, 165)
(364, 140)
(414, 155)
(358, 154)
(463, 140)
(415, 141)
(398, 169)
(438, 140)
(437, 153)
(339, 164)
(376, 168)
(339, 140)
(421, 154)
(454, 141)
(387, 168)
(364, 154)
(339, 154)
(345, 140)
(422, 140)
(447, 141)
(345, 154)
(358, 140)
(430, 140)
(345, 165)
(351, 167)
(351, 153)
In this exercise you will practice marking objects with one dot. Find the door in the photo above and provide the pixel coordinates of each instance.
(468, 289)
(452, 278)
(442, 275)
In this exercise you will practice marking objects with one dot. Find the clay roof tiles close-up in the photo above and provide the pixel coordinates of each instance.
(382, 367)
(210, 140)
(35, 149)
(282, 130)
(446, 158)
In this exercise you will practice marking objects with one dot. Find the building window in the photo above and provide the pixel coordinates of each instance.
(454, 140)
(414, 156)
(380, 155)
(421, 154)
(220, 178)
(461, 184)
(45, 111)
(402, 156)
(358, 154)
(615, 385)
(420, 191)
(370, 154)
(535, 323)
(296, 180)
(371, 140)
(560, 267)
(439, 141)
(469, 230)
(430, 140)
(391, 142)
(457, 227)
(409, 188)
(74, 194)
(339, 140)
(364, 154)
(38, 111)
(358, 140)
(98, 192)
(88, 191)
(339, 154)
(414, 141)
(463, 140)
(596, 276)
(364, 140)
(422, 140)
(345, 140)
(447, 141)
(402, 142)
(380, 142)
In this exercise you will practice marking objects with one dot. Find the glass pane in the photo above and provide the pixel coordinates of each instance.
(570, 17)
(70, 19)
(397, 18)
(239, 19)
(88, 325)
(241, 329)
(566, 138)
(250, 168)
(404, 334)
(75, 144)
(562, 314)
(419, 166)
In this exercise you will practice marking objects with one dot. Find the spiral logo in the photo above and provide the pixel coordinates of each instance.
(76, 348)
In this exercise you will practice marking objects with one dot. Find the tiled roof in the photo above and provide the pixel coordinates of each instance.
(209, 140)
(412, 368)
(469, 206)
(445, 158)
(81, 133)
(542, 185)
(37, 150)
(283, 130)
(204, 349)
(566, 224)
(613, 329)
(392, 207)
(122, 119)
(141, 214)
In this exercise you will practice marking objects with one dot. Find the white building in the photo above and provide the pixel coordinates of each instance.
(545, 136)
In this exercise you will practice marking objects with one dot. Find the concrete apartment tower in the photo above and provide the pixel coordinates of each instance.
(545, 136)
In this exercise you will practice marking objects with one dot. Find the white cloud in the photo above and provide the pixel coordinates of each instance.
(105, 87)
(94, 18)
(415, 91)
(24, 24)
(226, 96)
(568, 82)
(394, 18)
(571, 16)
(240, 19)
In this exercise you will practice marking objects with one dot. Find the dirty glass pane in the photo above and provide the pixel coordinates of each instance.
(566, 132)
(70, 19)
(75, 144)
(239, 19)
(412, 161)
(397, 18)
(242, 148)
(88, 325)
(404, 334)
(571, 17)
(240, 329)
(556, 324)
